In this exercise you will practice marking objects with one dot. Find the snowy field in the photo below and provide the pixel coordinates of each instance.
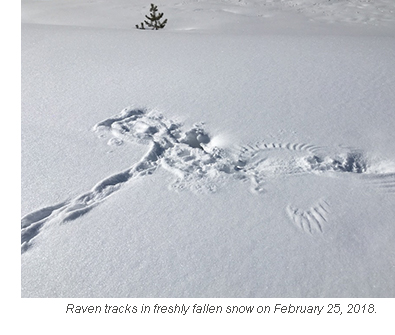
(245, 150)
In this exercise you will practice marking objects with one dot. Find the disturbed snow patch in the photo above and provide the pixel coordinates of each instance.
(200, 166)
(187, 155)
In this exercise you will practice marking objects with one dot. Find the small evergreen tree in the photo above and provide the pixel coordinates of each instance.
(153, 20)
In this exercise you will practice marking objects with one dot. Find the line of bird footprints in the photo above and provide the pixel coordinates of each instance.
(199, 166)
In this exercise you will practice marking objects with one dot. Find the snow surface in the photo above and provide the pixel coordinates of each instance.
(246, 150)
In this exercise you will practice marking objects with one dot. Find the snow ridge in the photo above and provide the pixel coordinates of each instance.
(201, 167)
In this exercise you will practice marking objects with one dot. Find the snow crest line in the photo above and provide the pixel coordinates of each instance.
(200, 166)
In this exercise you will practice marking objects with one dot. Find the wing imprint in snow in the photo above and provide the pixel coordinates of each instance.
(312, 219)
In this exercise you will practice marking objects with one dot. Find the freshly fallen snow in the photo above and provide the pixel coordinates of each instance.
(246, 150)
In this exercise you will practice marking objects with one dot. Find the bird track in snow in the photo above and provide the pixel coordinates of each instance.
(201, 167)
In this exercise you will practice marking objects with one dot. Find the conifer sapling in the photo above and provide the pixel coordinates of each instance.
(154, 19)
